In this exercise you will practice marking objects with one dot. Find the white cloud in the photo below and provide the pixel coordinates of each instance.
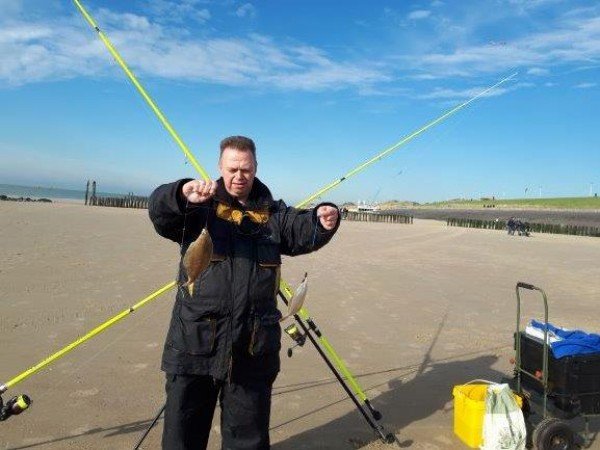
(177, 11)
(575, 40)
(418, 14)
(10, 7)
(526, 7)
(461, 94)
(586, 85)
(537, 71)
(68, 48)
(246, 10)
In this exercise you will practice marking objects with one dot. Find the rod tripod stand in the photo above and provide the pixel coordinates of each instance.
(310, 331)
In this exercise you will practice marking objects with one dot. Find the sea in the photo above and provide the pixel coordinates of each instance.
(52, 193)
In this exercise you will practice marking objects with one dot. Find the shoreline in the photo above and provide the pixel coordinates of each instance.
(33, 199)
(579, 217)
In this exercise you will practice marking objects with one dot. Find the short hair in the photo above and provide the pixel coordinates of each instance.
(239, 143)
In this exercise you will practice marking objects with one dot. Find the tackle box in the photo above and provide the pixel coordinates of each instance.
(573, 381)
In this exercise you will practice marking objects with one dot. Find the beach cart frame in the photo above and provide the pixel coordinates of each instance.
(555, 387)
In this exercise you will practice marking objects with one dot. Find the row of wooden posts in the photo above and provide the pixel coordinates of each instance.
(129, 201)
(125, 201)
(370, 217)
(136, 201)
(577, 230)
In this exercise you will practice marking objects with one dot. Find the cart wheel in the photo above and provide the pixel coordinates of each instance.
(553, 434)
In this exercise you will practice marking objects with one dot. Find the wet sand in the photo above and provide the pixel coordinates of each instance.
(412, 309)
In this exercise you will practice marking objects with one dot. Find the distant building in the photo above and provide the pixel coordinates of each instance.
(366, 207)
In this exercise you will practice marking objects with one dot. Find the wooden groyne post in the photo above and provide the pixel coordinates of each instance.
(376, 217)
(93, 198)
(87, 191)
(576, 230)
(124, 201)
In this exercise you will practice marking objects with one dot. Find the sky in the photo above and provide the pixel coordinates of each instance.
(321, 86)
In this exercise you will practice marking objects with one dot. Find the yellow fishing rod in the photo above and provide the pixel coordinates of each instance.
(20, 403)
(405, 140)
(286, 292)
(143, 92)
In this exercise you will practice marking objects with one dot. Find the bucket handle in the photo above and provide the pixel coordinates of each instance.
(481, 380)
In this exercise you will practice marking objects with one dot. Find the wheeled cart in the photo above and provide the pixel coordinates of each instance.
(554, 390)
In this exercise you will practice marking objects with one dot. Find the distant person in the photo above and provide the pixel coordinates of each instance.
(511, 226)
(224, 338)
(523, 228)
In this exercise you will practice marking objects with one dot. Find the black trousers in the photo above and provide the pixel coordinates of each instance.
(191, 401)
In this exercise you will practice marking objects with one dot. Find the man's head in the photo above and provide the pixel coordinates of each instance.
(237, 165)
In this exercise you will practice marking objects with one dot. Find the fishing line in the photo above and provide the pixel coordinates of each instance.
(99, 329)
(187, 202)
(83, 364)
(378, 157)
(316, 226)
(285, 289)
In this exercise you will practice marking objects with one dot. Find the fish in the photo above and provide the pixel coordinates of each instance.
(197, 257)
(297, 300)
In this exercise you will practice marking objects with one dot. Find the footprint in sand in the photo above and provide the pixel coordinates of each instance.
(84, 393)
(80, 430)
(444, 440)
(138, 367)
(37, 440)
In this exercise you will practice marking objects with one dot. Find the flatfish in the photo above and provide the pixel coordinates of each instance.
(297, 300)
(197, 257)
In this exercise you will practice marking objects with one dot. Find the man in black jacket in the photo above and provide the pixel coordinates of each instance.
(224, 337)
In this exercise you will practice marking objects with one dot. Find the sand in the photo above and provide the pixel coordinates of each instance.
(412, 309)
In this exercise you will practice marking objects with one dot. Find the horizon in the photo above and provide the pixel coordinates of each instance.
(318, 97)
(341, 203)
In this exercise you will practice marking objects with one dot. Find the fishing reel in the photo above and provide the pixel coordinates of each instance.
(14, 406)
(297, 336)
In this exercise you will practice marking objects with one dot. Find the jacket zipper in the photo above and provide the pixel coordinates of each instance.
(231, 304)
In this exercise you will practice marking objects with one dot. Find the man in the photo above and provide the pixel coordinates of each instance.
(224, 338)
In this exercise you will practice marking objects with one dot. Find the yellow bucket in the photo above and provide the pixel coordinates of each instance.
(469, 409)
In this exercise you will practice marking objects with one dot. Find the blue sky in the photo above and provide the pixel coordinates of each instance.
(320, 85)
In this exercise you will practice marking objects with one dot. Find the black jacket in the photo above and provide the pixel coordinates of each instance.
(231, 321)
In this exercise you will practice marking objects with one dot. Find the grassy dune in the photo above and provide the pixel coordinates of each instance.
(533, 203)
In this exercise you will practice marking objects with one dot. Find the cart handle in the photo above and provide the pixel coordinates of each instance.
(545, 348)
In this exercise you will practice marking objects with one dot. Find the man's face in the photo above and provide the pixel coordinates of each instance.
(238, 170)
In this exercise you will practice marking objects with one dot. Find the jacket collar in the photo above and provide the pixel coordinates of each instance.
(260, 197)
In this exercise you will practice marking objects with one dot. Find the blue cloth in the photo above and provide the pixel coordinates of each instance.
(572, 342)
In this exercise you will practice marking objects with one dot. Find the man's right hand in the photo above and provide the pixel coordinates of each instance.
(199, 191)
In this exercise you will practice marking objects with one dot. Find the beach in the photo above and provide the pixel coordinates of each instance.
(412, 309)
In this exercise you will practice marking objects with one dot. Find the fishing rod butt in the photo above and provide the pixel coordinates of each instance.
(390, 438)
(14, 406)
(375, 413)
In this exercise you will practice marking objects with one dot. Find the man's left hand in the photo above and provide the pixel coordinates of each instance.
(328, 216)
